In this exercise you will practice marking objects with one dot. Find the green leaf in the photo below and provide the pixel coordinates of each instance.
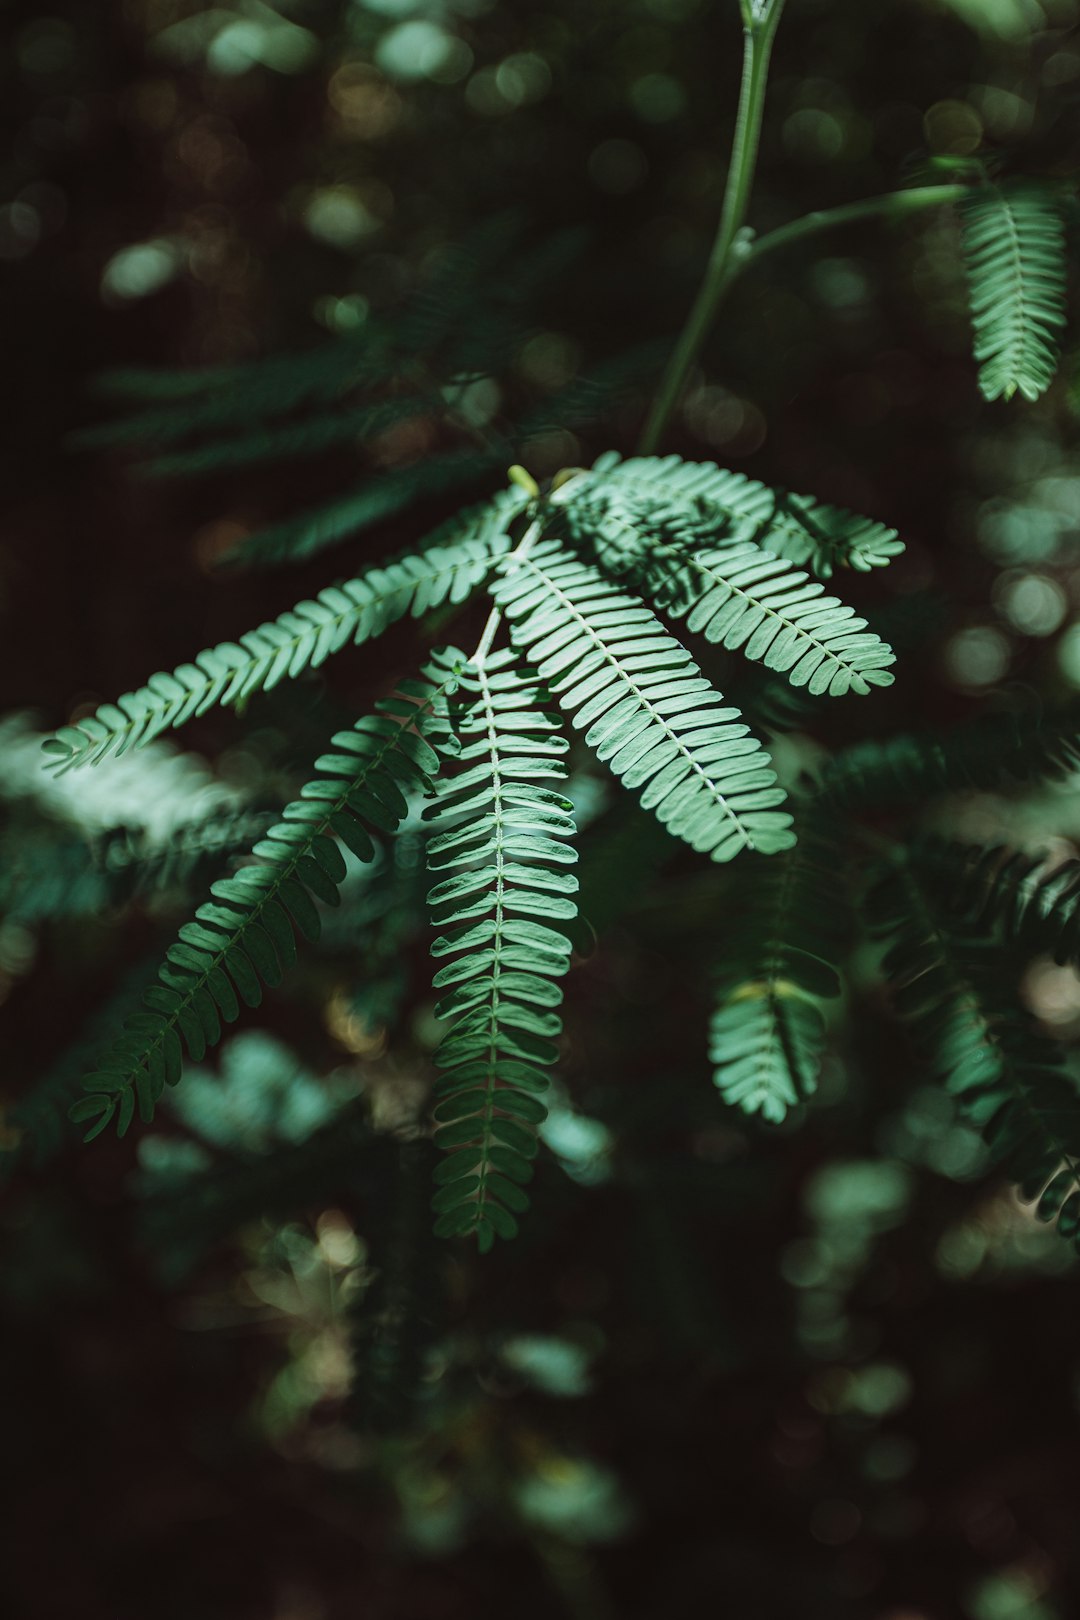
(494, 1056)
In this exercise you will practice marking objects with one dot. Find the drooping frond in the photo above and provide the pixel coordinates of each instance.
(465, 319)
(498, 847)
(476, 295)
(58, 872)
(1014, 248)
(209, 401)
(35, 1127)
(734, 593)
(780, 936)
(1016, 899)
(456, 559)
(591, 393)
(644, 705)
(698, 504)
(380, 496)
(749, 600)
(1009, 1079)
(309, 436)
(132, 863)
(991, 750)
(245, 936)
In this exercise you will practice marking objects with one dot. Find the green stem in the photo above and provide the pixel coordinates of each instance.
(892, 205)
(494, 619)
(759, 29)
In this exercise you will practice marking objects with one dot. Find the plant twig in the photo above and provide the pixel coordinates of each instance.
(525, 545)
(893, 204)
(760, 21)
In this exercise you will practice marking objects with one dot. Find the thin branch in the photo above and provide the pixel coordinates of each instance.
(760, 21)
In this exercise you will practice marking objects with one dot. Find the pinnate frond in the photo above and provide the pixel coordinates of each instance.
(748, 600)
(734, 593)
(697, 503)
(35, 1127)
(499, 850)
(308, 436)
(1009, 1079)
(1013, 240)
(245, 936)
(62, 873)
(986, 753)
(186, 404)
(643, 704)
(380, 496)
(781, 935)
(457, 558)
(1014, 898)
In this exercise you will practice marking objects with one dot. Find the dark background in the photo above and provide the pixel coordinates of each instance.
(832, 1369)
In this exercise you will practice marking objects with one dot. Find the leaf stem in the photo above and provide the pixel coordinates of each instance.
(892, 204)
(525, 545)
(730, 253)
(760, 22)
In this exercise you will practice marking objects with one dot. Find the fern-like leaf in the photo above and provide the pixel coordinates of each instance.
(134, 864)
(380, 496)
(1016, 899)
(644, 705)
(698, 504)
(34, 1128)
(310, 436)
(499, 846)
(245, 936)
(209, 400)
(747, 599)
(993, 749)
(734, 593)
(1009, 1080)
(780, 944)
(1014, 247)
(457, 558)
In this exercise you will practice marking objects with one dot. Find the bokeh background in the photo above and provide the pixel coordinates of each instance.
(828, 1370)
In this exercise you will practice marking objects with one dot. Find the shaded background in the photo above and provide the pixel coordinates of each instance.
(825, 1370)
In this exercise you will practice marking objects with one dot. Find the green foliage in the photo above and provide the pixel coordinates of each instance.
(630, 686)
(633, 770)
(643, 704)
(463, 323)
(34, 1127)
(556, 567)
(1010, 1081)
(188, 1206)
(586, 579)
(1014, 249)
(694, 504)
(498, 835)
(1018, 899)
(246, 935)
(401, 360)
(985, 753)
(132, 863)
(312, 531)
(777, 965)
(448, 568)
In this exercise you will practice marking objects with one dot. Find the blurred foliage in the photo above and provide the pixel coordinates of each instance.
(823, 1369)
